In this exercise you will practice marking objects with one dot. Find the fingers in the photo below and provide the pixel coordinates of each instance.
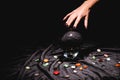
(66, 16)
(70, 20)
(76, 22)
(86, 20)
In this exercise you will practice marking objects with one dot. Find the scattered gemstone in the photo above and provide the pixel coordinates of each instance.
(36, 60)
(55, 57)
(45, 64)
(108, 59)
(36, 74)
(93, 62)
(67, 76)
(73, 67)
(106, 55)
(100, 60)
(66, 65)
(98, 50)
(78, 64)
(71, 35)
(45, 60)
(85, 66)
(59, 62)
(75, 71)
(93, 57)
(56, 72)
(81, 68)
(117, 65)
(27, 67)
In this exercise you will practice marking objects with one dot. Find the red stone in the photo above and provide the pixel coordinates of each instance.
(100, 60)
(56, 72)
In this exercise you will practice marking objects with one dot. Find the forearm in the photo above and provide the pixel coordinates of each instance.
(90, 3)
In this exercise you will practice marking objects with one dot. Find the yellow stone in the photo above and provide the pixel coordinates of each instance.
(45, 60)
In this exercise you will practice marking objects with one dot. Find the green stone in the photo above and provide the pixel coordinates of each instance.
(45, 64)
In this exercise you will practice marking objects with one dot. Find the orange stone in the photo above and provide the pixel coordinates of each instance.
(77, 64)
(117, 65)
(85, 66)
(45, 60)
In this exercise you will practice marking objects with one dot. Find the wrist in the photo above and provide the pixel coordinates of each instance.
(89, 3)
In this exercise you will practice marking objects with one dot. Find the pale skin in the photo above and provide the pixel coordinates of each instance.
(81, 12)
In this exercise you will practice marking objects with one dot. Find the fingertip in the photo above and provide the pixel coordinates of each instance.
(74, 27)
(85, 27)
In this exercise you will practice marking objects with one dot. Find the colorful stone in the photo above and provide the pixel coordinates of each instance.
(27, 67)
(85, 66)
(66, 76)
(66, 65)
(81, 68)
(98, 50)
(36, 74)
(75, 71)
(77, 64)
(45, 64)
(93, 63)
(55, 57)
(106, 55)
(59, 62)
(56, 72)
(36, 60)
(108, 59)
(73, 67)
(100, 60)
(117, 65)
(45, 60)
(93, 57)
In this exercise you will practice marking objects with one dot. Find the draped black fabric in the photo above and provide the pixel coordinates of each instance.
(101, 65)
(29, 24)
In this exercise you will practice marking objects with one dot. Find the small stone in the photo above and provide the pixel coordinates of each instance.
(106, 55)
(27, 67)
(45, 60)
(117, 65)
(119, 62)
(73, 67)
(78, 64)
(98, 50)
(108, 59)
(45, 64)
(93, 57)
(85, 66)
(36, 60)
(100, 60)
(55, 57)
(75, 71)
(36, 74)
(56, 72)
(71, 35)
(59, 62)
(93, 62)
(66, 65)
(67, 76)
(81, 68)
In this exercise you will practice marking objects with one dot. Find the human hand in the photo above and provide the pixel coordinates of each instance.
(79, 13)
(76, 15)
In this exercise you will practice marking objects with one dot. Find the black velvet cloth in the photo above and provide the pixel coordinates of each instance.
(100, 67)
(33, 24)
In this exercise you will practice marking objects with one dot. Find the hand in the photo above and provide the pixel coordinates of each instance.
(76, 15)
(79, 13)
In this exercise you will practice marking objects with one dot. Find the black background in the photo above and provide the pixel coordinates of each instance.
(28, 25)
